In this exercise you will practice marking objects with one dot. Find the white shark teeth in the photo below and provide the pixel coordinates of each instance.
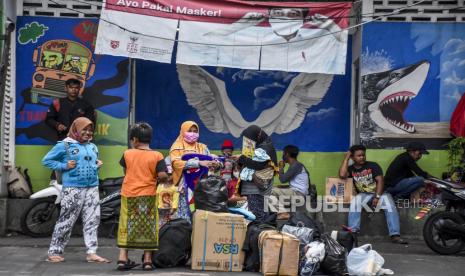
(396, 99)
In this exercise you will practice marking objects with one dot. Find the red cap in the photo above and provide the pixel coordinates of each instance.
(227, 144)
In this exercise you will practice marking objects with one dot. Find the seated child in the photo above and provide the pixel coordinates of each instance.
(230, 173)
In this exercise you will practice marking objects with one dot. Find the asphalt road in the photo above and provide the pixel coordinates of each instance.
(21, 255)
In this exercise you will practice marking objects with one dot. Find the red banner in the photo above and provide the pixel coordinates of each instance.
(227, 11)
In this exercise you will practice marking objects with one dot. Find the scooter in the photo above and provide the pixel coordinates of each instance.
(444, 231)
(39, 218)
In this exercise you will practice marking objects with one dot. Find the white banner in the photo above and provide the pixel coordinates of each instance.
(287, 36)
(141, 39)
(209, 53)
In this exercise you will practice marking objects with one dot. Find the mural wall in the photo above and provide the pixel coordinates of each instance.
(52, 50)
(410, 85)
(308, 110)
(49, 51)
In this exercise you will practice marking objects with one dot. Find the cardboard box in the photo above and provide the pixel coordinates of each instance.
(339, 190)
(217, 240)
(272, 243)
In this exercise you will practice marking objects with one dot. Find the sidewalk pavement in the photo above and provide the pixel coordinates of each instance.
(22, 255)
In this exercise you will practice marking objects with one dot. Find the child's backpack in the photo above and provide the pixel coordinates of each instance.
(19, 183)
(174, 247)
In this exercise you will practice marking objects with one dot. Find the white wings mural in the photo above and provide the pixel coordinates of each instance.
(208, 95)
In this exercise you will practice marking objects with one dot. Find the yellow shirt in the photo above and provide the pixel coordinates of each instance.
(167, 196)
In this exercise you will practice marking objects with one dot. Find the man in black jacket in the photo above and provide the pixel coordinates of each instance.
(62, 112)
(404, 176)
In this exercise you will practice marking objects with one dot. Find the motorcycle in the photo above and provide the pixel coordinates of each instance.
(39, 218)
(444, 231)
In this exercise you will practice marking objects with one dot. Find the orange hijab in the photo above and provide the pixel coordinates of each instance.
(181, 147)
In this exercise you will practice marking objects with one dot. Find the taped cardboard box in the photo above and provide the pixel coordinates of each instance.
(279, 253)
(339, 190)
(217, 240)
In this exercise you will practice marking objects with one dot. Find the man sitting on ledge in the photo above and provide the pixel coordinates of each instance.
(368, 181)
(296, 175)
(404, 176)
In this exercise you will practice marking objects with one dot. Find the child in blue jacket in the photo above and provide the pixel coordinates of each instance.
(77, 160)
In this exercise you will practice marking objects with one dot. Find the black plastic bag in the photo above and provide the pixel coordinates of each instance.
(345, 238)
(301, 219)
(211, 194)
(334, 262)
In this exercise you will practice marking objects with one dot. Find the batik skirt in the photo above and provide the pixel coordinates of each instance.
(138, 223)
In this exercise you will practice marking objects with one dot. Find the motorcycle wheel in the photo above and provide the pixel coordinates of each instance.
(442, 243)
(38, 220)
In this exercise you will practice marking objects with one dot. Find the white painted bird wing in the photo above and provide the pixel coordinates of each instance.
(207, 94)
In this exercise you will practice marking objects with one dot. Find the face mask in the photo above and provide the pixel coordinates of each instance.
(191, 137)
(284, 26)
(236, 174)
(284, 158)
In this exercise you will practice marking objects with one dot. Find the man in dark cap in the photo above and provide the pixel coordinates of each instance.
(404, 176)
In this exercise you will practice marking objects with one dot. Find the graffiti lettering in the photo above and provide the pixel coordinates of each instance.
(32, 116)
(102, 129)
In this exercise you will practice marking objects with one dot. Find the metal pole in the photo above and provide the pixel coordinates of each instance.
(132, 93)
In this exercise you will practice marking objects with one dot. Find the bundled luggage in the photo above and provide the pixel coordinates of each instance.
(252, 254)
(174, 244)
(279, 253)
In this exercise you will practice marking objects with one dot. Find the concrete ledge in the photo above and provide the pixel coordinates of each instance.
(3, 216)
(372, 225)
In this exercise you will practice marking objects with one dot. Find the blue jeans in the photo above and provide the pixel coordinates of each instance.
(385, 202)
(406, 186)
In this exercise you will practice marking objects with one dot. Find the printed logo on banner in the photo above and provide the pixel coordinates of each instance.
(114, 44)
(132, 46)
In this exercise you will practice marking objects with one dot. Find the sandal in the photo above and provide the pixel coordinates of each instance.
(126, 265)
(94, 258)
(147, 266)
(55, 259)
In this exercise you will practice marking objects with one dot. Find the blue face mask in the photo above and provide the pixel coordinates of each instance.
(284, 158)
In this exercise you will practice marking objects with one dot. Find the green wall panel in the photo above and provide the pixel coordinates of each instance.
(320, 164)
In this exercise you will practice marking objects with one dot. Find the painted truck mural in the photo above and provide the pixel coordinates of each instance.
(54, 50)
(57, 61)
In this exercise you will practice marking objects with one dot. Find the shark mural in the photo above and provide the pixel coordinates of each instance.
(386, 96)
(408, 93)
